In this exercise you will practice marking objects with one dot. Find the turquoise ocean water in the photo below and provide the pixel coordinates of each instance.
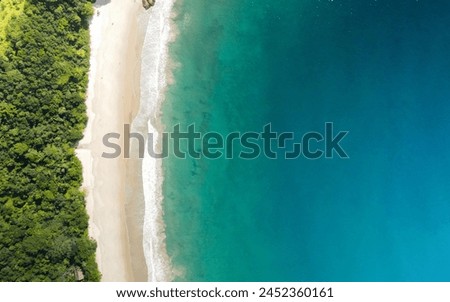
(379, 69)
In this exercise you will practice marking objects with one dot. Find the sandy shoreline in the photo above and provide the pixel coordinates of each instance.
(154, 80)
(127, 82)
(113, 100)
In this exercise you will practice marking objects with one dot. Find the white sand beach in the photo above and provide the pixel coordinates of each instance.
(113, 100)
(127, 81)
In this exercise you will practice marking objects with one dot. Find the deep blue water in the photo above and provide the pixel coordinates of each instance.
(378, 69)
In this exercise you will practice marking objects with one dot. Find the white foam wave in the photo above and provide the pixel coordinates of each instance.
(153, 83)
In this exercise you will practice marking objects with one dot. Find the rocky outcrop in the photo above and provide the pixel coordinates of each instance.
(148, 3)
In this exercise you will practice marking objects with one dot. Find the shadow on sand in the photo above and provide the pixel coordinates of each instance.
(100, 3)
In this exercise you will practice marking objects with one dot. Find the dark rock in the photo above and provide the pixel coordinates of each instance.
(148, 3)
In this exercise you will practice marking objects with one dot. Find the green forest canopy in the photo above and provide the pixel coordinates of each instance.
(8, 9)
(44, 61)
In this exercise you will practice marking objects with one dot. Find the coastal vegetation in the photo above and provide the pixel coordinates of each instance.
(9, 9)
(44, 62)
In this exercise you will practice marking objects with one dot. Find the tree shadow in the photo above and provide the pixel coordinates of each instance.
(100, 3)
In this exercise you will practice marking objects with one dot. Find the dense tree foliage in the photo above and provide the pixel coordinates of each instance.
(8, 9)
(43, 80)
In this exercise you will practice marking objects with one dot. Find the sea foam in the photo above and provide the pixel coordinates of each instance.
(154, 70)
